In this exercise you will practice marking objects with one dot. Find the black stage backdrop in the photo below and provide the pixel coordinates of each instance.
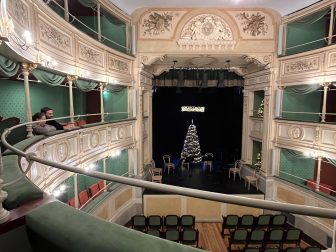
(219, 128)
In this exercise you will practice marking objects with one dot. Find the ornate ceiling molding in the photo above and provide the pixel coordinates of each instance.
(261, 61)
(206, 32)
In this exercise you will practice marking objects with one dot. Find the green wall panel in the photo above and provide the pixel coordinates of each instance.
(116, 102)
(295, 169)
(306, 30)
(12, 102)
(115, 32)
(310, 102)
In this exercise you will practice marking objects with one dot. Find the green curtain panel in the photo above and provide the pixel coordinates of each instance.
(8, 68)
(88, 3)
(86, 86)
(48, 78)
(302, 89)
(114, 88)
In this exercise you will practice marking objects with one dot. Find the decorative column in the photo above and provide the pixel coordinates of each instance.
(76, 191)
(331, 24)
(140, 129)
(71, 78)
(267, 132)
(66, 10)
(26, 69)
(324, 106)
(101, 89)
(4, 214)
(98, 22)
(245, 145)
(278, 102)
(318, 174)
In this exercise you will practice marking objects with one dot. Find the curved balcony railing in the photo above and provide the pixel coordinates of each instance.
(238, 200)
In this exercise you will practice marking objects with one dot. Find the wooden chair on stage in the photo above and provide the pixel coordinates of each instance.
(167, 164)
(236, 169)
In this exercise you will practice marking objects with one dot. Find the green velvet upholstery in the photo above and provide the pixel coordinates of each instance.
(62, 228)
(20, 192)
(24, 144)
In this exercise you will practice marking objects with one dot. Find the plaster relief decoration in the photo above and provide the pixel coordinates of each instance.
(254, 25)
(118, 65)
(54, 37)
(332, 59)
(261, 61)
(90, 55)
(300, 66)
(19, 12)
(159, 24)
(62, 151)
(94, 139)
(206, 31)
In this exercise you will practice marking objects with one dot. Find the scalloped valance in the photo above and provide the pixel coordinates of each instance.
(49, 78)
(8, 68)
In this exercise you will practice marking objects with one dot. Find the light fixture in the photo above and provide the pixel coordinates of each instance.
(24, 42)
(47, 61)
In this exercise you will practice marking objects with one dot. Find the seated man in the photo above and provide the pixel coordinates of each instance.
(49, 113)
(40, 127)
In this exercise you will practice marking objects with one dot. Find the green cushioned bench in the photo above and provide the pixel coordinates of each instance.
(20, 192)
(24, 144)
(58, 227)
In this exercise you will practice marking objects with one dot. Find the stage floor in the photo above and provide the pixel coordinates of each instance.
(215, 181)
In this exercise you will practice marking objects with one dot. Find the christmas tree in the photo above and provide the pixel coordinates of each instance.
(191, 148)
(261, 109)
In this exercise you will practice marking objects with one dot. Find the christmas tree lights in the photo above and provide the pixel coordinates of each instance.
(191, 148)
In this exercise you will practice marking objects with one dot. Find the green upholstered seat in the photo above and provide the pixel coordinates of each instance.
(24, 144)
(62, 228)
(20, 192)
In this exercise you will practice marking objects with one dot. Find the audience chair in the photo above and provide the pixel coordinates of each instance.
(256, 239)
(154, 222)
(296, 249)
(185, 165)
(236, 169)
(278, 221)
(171, 222)
(157, 171)
(83, 197)
(101, 184)
(167, 164)
(239, 237)
(154, 232)
(252, 179)
(293, 236)
(187, 221)
(190, 237)
(246, 222)
(155, 178)
(172, 235)
(263, 221)
(139, 223)
(71, 202)
(94, 189)
(230, 222)
(275, 237)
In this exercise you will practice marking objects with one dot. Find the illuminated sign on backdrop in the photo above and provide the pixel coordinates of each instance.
(192, 109)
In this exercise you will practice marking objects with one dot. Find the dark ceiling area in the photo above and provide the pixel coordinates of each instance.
(219, 128)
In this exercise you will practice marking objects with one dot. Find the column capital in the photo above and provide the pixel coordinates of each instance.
(72, 77)
(102, 84)
(28, 67)
(325, 84)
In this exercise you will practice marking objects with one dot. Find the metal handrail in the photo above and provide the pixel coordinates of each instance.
(232, 199)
